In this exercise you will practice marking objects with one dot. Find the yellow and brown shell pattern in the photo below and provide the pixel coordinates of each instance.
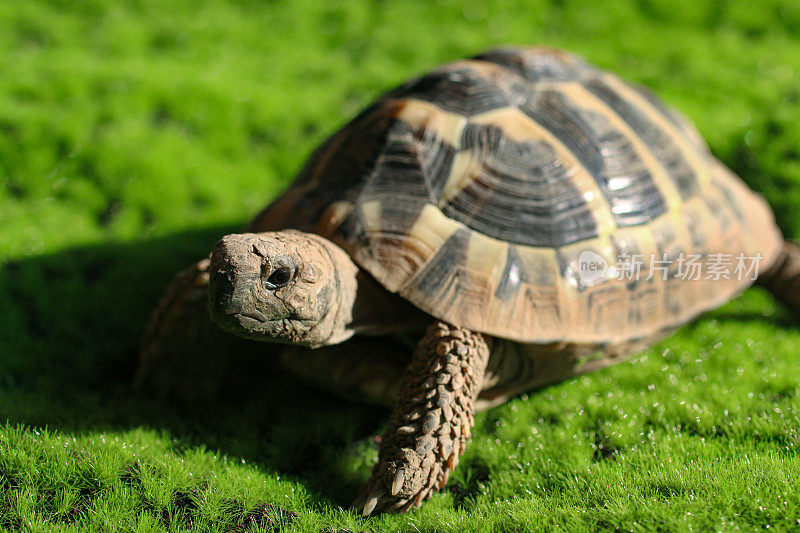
(477, 190)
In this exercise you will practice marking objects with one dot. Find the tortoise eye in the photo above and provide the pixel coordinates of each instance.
(280, 277)
(284, 272)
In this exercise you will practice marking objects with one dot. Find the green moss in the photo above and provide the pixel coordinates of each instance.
(133, 134)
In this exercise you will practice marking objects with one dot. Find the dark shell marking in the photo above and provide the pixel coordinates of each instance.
(605, 152)
(474, 189)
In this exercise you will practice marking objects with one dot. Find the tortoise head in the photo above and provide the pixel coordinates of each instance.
(286, 286)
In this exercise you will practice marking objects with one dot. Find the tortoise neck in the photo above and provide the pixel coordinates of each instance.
(362, 306)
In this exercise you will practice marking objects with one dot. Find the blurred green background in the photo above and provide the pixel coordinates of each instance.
(134, 133)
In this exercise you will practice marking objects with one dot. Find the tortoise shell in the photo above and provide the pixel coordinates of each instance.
(475, 190)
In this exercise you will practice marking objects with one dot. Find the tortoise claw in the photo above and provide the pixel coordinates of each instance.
(373, 501)
(397, 484)
(370, 505)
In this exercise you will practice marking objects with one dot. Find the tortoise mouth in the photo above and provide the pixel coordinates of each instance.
(252, 319)
(249, 324)
(255, 326)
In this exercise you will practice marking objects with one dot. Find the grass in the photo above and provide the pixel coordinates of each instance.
(134, 133)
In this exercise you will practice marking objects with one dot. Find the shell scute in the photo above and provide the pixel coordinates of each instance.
(466, 88)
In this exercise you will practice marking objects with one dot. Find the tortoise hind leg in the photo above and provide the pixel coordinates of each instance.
(782, 279)
(430, 424)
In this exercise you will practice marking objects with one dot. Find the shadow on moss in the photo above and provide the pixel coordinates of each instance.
(70, 324)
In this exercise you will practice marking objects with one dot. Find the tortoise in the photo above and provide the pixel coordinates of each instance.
(480, 211)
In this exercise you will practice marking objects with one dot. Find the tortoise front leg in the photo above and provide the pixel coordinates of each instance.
(430, 425)
(185, 357)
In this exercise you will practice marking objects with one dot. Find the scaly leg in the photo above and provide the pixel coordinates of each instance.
(430, 426)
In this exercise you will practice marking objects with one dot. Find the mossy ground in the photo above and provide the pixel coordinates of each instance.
(134, 133)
